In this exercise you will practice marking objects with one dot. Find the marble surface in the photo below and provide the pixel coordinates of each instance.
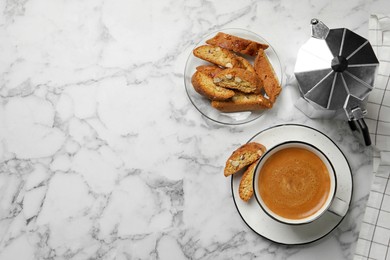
(102, 155)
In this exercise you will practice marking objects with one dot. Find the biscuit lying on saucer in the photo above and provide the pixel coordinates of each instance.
(246, 184)
(243, 156)
(245, 64)
(242, 102)
(204, 85)
(209, 70)
(266, 73)
(217, 55)
(236, 44)
(239, 79)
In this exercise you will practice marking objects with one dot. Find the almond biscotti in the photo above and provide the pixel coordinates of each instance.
(239, 79)
(245, 189)
(209, 70)
(243, 156)
(217, 55)
(204, 85)
(267, 74)
(242, 102)
(245, 64)
(236, 44)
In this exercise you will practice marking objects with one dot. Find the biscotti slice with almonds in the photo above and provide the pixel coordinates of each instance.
(245, 64)
(204, 85)
(236, 44)
(267, 74)
(217, 55)
(209, 70)
(242, 102)
(245, 189)
(243, 156)
(239, 79)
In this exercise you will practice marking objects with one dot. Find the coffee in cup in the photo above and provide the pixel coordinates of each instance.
(295, 183)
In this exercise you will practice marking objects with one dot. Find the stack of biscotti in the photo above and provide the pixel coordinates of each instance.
(230, 81)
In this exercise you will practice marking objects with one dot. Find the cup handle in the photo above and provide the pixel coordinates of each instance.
(339, 207)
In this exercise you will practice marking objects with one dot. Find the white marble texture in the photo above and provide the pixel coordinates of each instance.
(102, 155)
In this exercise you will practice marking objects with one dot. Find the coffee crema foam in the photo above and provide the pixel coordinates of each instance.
(294, 183)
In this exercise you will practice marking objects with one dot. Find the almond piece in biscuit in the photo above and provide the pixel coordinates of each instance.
(266, 73)
(239, 79)
(242, 102)
(243, 156)
(217, 55)
(204, 85)
(236, 44)
(245, 189)
(210, 70)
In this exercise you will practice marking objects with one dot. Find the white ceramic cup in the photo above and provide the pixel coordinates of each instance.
(332, 204)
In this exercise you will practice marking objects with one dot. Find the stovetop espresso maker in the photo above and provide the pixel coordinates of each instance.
(335, 71)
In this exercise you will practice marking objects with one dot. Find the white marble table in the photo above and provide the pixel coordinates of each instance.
(104, 157)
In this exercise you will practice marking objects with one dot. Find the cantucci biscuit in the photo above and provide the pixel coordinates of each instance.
(209, 70)
(267, 74)
(239, 79)
(245, 64)
(217, 55)
(243, 156)
(242, 102)
(245, 189)
(204, 85)
(236, 44)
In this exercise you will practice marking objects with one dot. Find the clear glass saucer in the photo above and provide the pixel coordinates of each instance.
(203, 105)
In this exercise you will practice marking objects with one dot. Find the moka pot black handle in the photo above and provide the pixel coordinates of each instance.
(361, 125)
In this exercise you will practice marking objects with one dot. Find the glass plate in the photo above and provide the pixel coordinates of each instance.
(203, 105)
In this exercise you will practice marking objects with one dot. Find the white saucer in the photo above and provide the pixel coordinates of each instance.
(265, 226)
